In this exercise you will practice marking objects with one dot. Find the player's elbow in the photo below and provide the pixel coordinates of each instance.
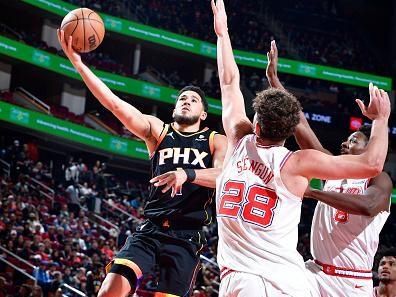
(375, 168)
(229, 78)
(226, 81)
(113, 106)
(368, 210)
(372, 166)
(370, 207)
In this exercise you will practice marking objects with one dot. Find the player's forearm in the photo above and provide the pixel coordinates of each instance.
(305, 136)
(377, 147)
(274, 82)
(207, 177)
(233, 105)
(97, 87)
(228, 69)
(353, 204)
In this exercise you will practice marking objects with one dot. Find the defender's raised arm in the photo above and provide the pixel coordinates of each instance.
(235, 122)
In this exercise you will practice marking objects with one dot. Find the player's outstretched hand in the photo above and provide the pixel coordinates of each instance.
(71, 54)
(272, 66)
(172, 180)
(379, 105)
(220, 17)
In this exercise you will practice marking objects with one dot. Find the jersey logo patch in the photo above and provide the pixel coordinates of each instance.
(171, 135)
(201, 138)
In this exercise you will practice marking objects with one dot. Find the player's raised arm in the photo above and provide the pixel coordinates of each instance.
(304, 135)
(235, 122)
(145, 127)
(272, 68)
(311, 163)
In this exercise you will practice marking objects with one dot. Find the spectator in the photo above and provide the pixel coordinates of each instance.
(68, 278)
(73, 198)
(90, 286)
(24, 291)
(57, 281)
(43, 279)
(37, 292)
(71, 172)
(80, 241)
(3, 287)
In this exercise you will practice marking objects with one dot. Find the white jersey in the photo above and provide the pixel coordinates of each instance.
(258, 218)
(341, 239)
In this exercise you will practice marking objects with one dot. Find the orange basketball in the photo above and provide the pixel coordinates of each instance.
(86, 27)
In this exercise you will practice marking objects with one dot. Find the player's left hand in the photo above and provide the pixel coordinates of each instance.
(379, 106)
(67, 48)
(220, 17)
(172, 180)
(272, 66)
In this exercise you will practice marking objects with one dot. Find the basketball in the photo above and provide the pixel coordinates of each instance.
(86, 27)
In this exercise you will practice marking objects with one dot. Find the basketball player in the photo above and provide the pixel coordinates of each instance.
(169, 241)
(387, 275)
(260, 190)
(348, 217)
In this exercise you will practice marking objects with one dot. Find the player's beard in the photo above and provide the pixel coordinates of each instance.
(185, 120)
(384, 280)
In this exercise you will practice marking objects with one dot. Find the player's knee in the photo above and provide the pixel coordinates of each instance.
(113, 290)
(117, 285)
(106, 292)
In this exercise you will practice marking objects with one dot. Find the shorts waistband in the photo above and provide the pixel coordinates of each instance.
(344, 272)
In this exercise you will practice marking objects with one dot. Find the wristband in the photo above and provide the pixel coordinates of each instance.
(191, 175)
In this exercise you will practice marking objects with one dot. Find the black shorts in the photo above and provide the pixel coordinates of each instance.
(169, 256)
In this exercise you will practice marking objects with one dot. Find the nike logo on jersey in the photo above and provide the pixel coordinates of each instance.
(201, 138)
(171, 135)
(358, 287)
(176, 153)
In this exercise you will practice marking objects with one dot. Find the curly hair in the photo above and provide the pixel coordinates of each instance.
(277, 113)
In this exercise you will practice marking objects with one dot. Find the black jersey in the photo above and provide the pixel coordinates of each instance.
(191, 206)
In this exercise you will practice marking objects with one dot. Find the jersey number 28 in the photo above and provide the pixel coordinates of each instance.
(256, 206)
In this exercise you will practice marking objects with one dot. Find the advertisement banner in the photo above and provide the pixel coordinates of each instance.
(116, 82)
(207, 49)
(73, 132)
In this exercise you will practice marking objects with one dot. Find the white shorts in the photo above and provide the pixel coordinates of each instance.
(242, 284)
(325, 285)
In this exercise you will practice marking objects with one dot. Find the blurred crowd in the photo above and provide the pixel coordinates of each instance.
(61, 238)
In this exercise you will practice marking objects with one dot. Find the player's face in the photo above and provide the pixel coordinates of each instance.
(355, 144)
(387, 269)
(189, 109)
